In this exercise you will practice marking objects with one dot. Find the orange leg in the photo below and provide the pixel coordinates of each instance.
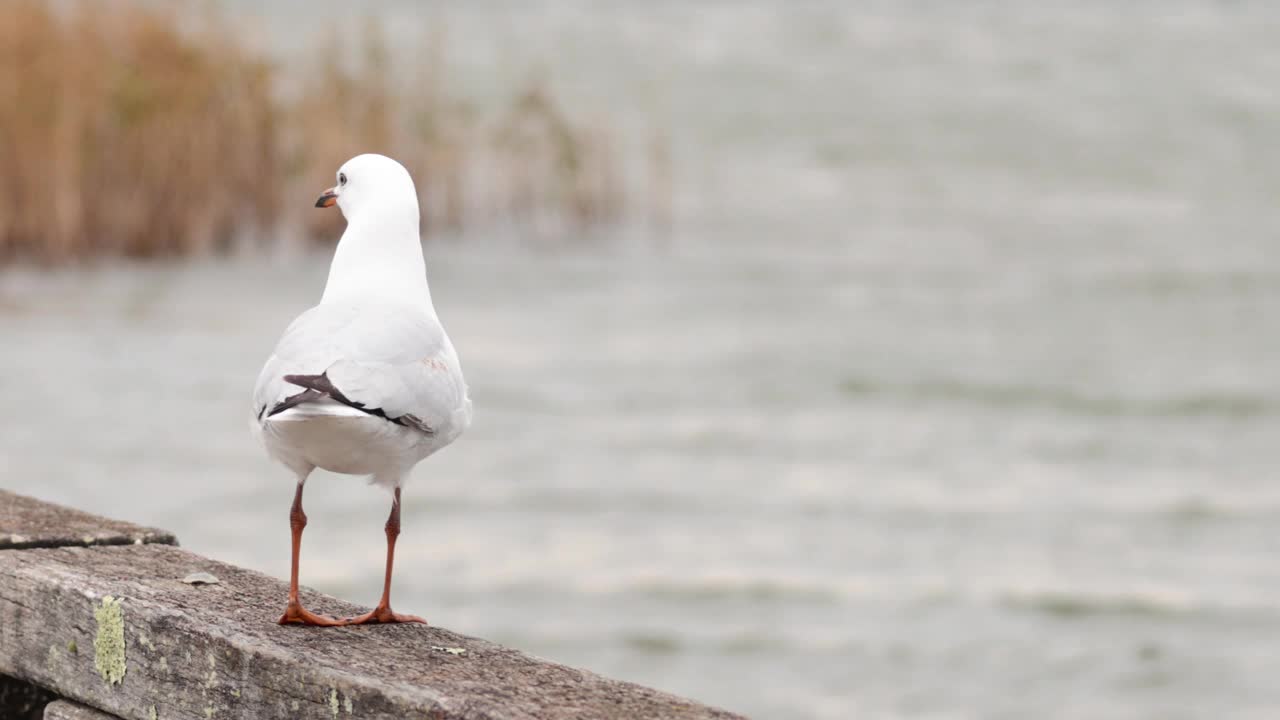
(294, 612)
(382, 613)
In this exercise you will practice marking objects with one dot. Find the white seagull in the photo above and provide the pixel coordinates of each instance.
(366, 382)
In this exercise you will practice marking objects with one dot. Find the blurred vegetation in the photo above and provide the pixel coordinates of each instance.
(125, 132)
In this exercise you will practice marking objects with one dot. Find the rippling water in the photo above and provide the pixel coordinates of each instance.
(953, 392)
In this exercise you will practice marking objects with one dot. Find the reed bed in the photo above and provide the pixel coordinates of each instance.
(124, 132)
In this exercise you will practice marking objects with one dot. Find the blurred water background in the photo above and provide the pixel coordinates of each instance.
(951, 390)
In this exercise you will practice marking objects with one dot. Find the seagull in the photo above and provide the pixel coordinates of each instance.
(366, 382)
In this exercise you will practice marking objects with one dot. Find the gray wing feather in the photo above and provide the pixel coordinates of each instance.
(393, 359)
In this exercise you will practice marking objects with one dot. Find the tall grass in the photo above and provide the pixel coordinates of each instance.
(122, 132)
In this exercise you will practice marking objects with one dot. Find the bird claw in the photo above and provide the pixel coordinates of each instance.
(295, 614)
(382, 615)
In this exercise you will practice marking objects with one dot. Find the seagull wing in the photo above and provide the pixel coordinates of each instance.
(392, 362)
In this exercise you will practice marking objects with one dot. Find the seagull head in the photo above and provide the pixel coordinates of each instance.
(372, 183)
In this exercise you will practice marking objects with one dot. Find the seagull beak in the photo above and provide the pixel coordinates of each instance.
(327, 199)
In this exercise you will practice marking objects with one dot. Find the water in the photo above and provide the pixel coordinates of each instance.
(952, 393)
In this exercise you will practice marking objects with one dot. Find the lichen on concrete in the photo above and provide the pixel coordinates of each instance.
(108, 643)
(333, 701)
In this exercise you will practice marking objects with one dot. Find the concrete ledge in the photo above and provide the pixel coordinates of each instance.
(63, 710)
(116, 628)
(29, 523)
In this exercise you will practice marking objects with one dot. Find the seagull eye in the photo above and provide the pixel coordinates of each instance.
(342, 178)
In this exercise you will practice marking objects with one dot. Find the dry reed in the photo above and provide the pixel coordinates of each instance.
(122, 133)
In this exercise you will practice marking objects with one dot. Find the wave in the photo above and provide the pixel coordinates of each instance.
(1068, 604)
(820, 590)
(1167, 283)
(661, 642)
(1236, 406)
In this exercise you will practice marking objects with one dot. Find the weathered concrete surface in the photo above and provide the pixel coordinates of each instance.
(22, 701)
(63, 710)
(26, 522)
(160, 648)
